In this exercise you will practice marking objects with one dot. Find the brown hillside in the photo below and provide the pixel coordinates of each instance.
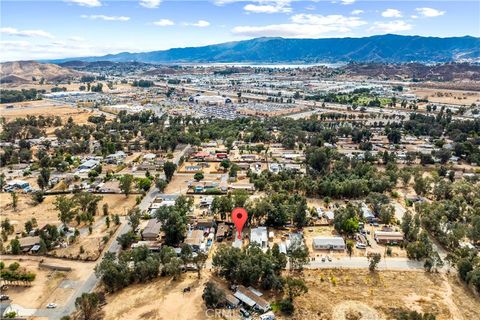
(23, 71)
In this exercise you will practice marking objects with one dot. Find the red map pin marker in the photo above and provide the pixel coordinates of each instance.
(239, 217)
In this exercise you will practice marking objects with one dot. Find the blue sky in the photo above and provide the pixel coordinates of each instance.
(67, 28)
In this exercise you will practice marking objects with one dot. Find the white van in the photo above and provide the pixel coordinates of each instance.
(268, 316)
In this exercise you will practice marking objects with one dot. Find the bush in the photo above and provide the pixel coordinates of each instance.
(286, 306)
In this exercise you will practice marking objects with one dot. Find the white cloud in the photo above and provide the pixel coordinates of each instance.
(303, 26)
(87, 3)
(347, 1)
(391, 26)
(26, 50)
(429, 12)
(104, 17)
(262, 6)
(279, 7)
(151, 4)
(164, 23)
(75, 38)
(25, 33)
(392, 13)
(357, 12)
(199, 24)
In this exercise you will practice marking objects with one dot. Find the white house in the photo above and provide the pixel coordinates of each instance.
(259, 236)
(328, 243)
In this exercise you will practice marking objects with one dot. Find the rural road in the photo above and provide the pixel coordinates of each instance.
(87, 286)
(402, 264)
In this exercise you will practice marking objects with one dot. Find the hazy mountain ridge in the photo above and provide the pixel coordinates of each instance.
(384, 48)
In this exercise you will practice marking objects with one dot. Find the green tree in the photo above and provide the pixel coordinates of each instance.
(350, 244)
(134, 216)
(346, 219)
(125, 240)
(198, 176)
(225, 164)
(126, 182)
(222, 205)
(174, 224)
(43, 178)
(239, 198)
(105, 209)
(199, 261)
(213, 296)
(374, 259)
(87, 305)
(293, 288)
(14, 197)
(394, 136)
(169, 169)
(387, 213)
(65, 206)
(298, 255)
(161, 184)
(15, 246)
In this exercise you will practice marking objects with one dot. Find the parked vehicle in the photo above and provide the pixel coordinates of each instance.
(244, 313)
(359, 245)
(4, 297)
(51, 306)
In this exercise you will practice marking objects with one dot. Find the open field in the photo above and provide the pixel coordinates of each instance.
(448, 96)
(358, 294)
(160, 299)
(44, 108)
(332, 295)
(49, 286)
(45, 212)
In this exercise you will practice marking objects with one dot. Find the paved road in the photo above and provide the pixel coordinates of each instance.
(88, 285)
(362, 262)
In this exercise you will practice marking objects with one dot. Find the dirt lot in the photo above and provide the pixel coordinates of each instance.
(49, 286)
(334, 294)
(161, 299)
(46, 212)
(45, 108)
(449, 96)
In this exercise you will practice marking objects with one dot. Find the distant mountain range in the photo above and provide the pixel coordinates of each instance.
(382, 48)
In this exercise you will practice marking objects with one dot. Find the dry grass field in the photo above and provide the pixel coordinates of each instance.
(358, 294)
(333, 295)
(45, 108)
(448, 96)
(161, 299)
(46, 213)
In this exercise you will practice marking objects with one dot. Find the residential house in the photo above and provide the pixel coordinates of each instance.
(328, 243)
(251, 299)
(152, 230)
(195, 239)
(388, 237)
(259, 236)
(27, 243)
